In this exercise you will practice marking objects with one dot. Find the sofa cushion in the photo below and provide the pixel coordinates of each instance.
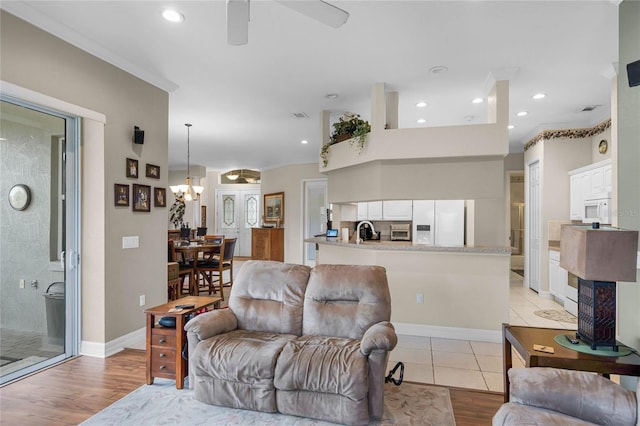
(518, 414)
(323, 364)
(240, 356)
(269, 296)
(345, 300)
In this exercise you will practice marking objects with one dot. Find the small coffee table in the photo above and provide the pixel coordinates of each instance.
(164, 344)
(522, 340)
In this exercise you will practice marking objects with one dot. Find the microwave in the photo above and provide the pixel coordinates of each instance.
(400, 232)
(597, 210)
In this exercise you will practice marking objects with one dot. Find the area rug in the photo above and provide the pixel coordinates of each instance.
(163, 404)
(557, 315)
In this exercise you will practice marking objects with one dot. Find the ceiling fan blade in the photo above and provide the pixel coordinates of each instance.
(237, 22)
(319, 10)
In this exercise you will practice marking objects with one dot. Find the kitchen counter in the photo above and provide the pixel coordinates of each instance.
(554, 245)
(408, 246)
(447, 292)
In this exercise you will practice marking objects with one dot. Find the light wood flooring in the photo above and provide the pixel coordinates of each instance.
(73, 391)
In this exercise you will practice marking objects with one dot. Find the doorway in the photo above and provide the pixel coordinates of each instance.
(237, 211)
(316, 209)
(516, 221)
(39, 223)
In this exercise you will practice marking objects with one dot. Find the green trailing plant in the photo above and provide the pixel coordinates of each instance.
(349, 127)
(177, 211)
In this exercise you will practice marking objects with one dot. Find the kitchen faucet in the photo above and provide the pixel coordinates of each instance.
(373, 230)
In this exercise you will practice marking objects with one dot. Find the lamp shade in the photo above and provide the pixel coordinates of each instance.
(604, 254)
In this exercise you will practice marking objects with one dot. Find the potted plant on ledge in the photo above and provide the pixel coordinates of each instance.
(349, 127)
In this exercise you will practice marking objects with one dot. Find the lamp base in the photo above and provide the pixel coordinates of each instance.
(597, 313)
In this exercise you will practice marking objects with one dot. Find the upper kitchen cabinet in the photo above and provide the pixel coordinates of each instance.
(397, 210)
(370, 210)
(589, 182)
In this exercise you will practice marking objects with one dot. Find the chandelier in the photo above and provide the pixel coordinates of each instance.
(187, 191)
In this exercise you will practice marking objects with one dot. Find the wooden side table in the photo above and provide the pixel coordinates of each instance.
(164, 344)
(522, 340)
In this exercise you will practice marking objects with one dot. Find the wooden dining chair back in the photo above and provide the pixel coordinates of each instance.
(201, 231)
(185, 270)
(212, 270)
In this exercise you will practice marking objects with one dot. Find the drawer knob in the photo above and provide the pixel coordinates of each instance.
(162, 367)
(162, 355)
(162, 340)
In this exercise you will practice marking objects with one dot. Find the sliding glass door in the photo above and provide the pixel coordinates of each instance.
(38, 237)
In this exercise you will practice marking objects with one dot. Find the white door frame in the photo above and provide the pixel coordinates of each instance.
(530, 216)
(243, 246)
(304, 221)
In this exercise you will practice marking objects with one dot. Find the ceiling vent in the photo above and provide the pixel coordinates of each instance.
(300, 115)
(589, 108)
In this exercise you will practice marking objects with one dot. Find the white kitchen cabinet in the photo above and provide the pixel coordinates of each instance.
(374, 210)
(362, 211)
(370, 210)
(557, 276)
(589, 182)
(397, 210)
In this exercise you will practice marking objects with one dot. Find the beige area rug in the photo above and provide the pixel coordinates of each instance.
(557, 315)
(163, 404)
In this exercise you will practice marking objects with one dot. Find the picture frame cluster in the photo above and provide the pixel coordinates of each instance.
(139, 196)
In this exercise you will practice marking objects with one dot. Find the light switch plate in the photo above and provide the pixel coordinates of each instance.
(130, 242)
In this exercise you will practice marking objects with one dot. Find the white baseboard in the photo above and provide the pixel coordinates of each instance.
(545, 294)
(475, 334)
(103, 350)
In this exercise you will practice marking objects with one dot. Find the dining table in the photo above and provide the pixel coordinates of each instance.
(190, 252)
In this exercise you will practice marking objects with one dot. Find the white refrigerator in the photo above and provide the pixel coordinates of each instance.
(438, 222)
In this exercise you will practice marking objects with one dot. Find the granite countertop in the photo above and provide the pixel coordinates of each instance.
(408, 246)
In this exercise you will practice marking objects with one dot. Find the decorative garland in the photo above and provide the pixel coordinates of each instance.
(569, 133)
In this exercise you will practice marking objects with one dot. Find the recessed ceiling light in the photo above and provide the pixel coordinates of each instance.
(331, 96)
(172, 15)
(539, 95)
(477, 101)
(304, 141)
(421, 120)
(438, 69)
(510, 126)
(421, 104)
(522, 113)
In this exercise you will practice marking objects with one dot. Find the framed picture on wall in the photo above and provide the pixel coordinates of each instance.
(120, 195)
(274, 208)
(141, 198)
(132, 168)
(153, 171)
(159, 197)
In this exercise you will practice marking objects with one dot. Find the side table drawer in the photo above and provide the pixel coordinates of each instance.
(163, 355)
(165, 368)
(162, 338)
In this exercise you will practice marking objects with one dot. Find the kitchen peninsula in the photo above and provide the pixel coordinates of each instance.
(448, 292)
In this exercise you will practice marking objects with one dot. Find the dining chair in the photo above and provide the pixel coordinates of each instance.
(185, 233)
(201, 231)
(213, 267)
(185, 270)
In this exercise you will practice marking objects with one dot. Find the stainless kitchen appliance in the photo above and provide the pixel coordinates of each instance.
(400, 232)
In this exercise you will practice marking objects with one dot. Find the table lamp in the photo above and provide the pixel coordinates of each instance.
(598, 256)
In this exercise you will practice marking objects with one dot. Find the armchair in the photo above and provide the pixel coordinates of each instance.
(552, 396)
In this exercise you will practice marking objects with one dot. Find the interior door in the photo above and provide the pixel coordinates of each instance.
(237, 211)
(533, 207)
(315, 215)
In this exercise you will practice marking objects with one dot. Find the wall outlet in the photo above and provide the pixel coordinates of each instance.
(21, 284)
(419, 298)
(142, 301)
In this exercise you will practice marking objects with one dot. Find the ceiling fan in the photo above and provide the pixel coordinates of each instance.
(238, 16)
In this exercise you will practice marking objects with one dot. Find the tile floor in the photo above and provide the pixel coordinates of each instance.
(469, 364)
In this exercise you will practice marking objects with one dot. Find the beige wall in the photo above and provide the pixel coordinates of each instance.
(289, 180)
(113, 278)
(628, 161)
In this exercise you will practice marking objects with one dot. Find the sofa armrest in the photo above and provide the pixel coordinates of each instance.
(580, 394)
(212, 323)
(380, 336)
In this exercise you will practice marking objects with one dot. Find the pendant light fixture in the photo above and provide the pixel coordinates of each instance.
(187, 191)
